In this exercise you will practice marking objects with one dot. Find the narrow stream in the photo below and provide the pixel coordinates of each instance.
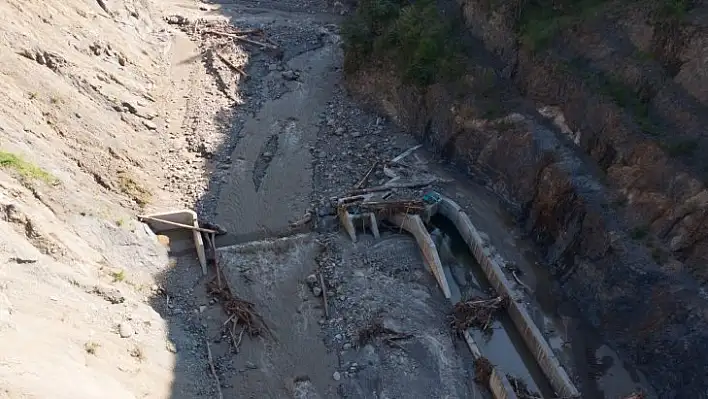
(504, 347)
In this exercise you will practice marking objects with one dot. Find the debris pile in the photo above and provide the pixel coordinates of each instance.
(218, 39)
(365, 206)
(241, 313)
(483, 369)
(521, 389)
(477, 312)
(376, 329)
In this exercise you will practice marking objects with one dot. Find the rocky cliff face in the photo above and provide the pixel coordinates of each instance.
(589, 123)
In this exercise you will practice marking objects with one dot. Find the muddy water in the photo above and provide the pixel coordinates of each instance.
(504, 346)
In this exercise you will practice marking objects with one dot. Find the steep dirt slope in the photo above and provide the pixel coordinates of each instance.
(83, 148)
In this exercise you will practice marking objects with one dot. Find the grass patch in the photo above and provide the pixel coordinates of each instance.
(639, 233)
(635, 102)
(659, 256)
(118, 276)
(674, 9)
(134, 190)
(26, 170)
(421, 42)
(91, 347)
(681, 148)
(541, 21)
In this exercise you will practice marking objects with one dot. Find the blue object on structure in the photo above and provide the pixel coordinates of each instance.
(431, 198)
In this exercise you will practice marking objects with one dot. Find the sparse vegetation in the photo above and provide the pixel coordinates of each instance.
(118, 276)
(636, 102)
(32, 95)
(639, 232)
(134, 190)
(419, 40)
(26, 170)
(137, 352)
(541, 21)
(675, 9)
(682, 148)
(658, 255)
(91, 347)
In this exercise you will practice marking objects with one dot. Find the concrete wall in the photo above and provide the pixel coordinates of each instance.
(542, 352)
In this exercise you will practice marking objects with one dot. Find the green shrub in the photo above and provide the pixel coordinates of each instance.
(682, 148)
(415, 36)
(540, 21)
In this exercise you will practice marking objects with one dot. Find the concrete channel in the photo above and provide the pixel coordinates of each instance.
(522, 321)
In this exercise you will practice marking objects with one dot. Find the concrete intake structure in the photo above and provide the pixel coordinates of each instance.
(534, 340)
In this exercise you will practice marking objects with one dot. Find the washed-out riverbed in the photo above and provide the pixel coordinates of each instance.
(299, 140)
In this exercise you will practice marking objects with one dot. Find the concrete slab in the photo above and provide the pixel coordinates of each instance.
(186, 217)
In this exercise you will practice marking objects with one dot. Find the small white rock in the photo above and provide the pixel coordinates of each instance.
(150, 125)
(317, 291)
(125, 330)
(337, 376)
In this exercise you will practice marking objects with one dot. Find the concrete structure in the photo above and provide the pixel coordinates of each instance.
(534, 340)
(184, 217)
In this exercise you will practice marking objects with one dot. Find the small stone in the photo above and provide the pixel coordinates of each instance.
(338, 337)
(311, 279)
(340, 131)
(273, 67)
(289, 75)
(251, 366)
(336, 376)
(347, 346)
(316, 291)
(125, 330)
(202, 309)
(171, 347)
(149, 124)
(268, 154)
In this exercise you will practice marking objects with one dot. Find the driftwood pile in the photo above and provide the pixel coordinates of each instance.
(218, 39)
(376, 329)
(477, 312)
